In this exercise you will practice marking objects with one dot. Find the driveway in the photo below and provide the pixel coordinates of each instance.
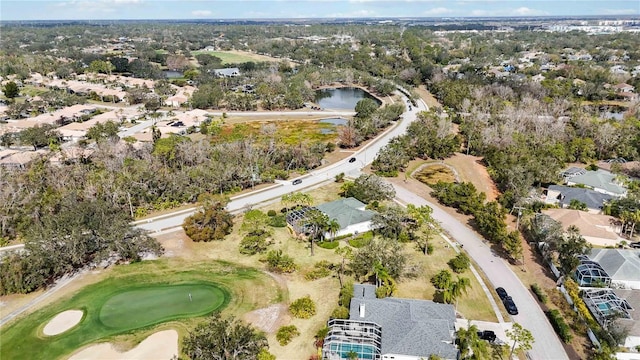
(547, 346)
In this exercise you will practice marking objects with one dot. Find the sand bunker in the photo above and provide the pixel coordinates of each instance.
(160, 345)
(62, 322)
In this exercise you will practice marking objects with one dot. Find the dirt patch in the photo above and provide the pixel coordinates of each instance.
(428, 98)
(63, 322)
(161, 345)
(268, 319)
(471, 169)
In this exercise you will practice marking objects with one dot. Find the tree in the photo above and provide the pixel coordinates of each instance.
(11, 90)
(393, 222)
(460, 263)
(377, 252)
(286, 333)
(572, 245)
(521, 337)
(100, 66)
(346, 253)
(448, 290)
(297, 199)
(368, 188)
(426, 225)
(332, 227)
(40, 135)
(316, 223)
(576, 204)
(213, 222)
(100, 131)
(365, 108)
(470, 344)
(224, 339)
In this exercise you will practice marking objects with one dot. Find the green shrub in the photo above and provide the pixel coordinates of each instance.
(340, 312)
(460, 263)
(278, 221)
(429, 249)
(264, 354)
(271, 213)
(539, 293)
(361, 240)
(254, 242)
(329, 244)
(303, 308)
(320, 269)
(279, 262)
(286, 333)
(560, 325)
(346, 293)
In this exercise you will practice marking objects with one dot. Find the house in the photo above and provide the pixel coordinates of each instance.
(631, 322)
(601, 230)
(562, 196)
(600, 180)
(391, 328)
(623, 87)
(227, 72)
(621, 266)
(537, 78)
(350, 213)
(20, 160)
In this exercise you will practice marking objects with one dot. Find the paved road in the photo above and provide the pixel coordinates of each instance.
(363, 157)
(547, 346)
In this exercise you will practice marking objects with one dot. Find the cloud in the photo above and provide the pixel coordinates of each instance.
(201, 13)
(437, 11)
(525, 11)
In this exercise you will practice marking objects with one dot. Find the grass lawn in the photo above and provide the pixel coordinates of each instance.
(431, 174)
(147, 305)
(133, 299)
(229, 57)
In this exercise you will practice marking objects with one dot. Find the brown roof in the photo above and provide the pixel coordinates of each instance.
(593, 225)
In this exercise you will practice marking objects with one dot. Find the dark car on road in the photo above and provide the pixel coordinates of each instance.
(488, 335)
(296, 181)
(511, 307)
(352, 160)
(635, 245)
(502, 293)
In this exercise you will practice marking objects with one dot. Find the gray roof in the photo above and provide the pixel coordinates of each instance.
(620, 264)
(346, 211)
(593, 199)
(409, 327)
(600, 179)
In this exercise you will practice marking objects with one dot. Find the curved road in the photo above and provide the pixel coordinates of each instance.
(363, 157)
(547, 346)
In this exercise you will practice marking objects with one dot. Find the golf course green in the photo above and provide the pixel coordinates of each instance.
(128, 302)
(150, 305)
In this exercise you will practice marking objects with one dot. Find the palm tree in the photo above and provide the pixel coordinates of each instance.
(470, 344)
(333, 228)
(317, 222)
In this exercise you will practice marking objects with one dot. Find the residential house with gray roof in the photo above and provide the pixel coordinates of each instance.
(392, 328)
(621, 265)
(601, 181)
(350, 213)
(227, 72)
(562, 196)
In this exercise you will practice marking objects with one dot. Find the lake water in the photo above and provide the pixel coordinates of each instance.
(341, 98)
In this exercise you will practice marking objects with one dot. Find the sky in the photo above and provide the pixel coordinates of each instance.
(261, 9)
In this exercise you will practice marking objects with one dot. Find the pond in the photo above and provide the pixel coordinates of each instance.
(330, 128)
(170, 74)
(341, 98)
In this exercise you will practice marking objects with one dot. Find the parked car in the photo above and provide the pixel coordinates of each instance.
(510, 305)
(352, 160)
(635, 245)
(296, 181)
(488, 335)
(502, 293)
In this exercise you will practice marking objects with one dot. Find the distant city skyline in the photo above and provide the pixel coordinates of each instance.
(293, 9)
